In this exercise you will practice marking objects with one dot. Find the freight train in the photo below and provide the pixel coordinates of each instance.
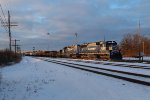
(103, 50)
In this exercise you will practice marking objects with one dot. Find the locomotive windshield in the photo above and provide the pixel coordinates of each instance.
(111, 43)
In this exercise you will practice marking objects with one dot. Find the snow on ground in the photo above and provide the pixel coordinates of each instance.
(34, 79)
(128, 63)
(132, 58)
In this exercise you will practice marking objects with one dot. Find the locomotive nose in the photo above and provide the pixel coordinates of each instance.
(116, 55)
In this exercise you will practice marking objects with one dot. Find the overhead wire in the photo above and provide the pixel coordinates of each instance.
(3, 22)
(3, 13)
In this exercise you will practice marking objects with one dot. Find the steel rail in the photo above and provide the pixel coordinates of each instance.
(76, 66)
(119, 65)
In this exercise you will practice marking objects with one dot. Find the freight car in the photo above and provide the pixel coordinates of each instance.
(104, 50)
(42, 53)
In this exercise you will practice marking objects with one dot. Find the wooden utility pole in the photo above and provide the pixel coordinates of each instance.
(19, 49)
(15, 45)
(9, 30)
(9, 24)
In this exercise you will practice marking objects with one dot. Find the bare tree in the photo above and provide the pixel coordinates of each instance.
(126, 45)
(133, 44)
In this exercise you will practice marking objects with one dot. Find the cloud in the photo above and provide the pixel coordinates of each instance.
(91, 19)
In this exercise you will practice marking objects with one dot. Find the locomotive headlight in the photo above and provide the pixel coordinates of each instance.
(110, 48)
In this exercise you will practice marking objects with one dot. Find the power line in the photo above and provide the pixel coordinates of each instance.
(8, 25)
(3, 23)
(9, 28)
(3, 12)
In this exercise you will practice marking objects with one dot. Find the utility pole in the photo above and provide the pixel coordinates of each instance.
(9, 30)
(15, 45)
(9, 25)
(19, 49)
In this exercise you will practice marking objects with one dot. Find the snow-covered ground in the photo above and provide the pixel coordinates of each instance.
(132, 58)
(34, 79)
(126, 69)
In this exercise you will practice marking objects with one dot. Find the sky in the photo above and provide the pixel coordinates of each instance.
(52, 24)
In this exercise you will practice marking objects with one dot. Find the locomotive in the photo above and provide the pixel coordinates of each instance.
(104, 50)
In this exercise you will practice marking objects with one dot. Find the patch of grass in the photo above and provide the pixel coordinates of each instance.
(8, 57)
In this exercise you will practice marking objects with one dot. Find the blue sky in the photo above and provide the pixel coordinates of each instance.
(91, 19)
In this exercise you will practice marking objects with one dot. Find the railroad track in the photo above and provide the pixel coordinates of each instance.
(127, 76)
(115, 64)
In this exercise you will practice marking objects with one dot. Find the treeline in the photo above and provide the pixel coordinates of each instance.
(133, 44)
(7, 57)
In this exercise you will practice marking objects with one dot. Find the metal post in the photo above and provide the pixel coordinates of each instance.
(139, 41)
(143, 52)
(139, 50)
(15, 46)
(76, 42)
(33, 51)
(143, 48)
